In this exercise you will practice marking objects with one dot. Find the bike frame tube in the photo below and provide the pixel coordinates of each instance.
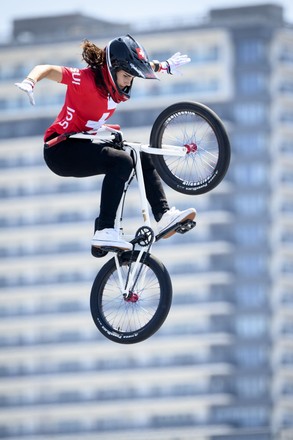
(145, 215)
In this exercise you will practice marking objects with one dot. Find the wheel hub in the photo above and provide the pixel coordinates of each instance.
(191, 148)
(131, 297)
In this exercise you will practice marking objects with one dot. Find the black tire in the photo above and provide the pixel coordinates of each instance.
(129, 322)
(207, 158)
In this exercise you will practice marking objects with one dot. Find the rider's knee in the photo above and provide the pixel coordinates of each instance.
(124, 166)
(118, 162)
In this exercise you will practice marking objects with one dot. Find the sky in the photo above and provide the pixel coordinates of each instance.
(127, 11)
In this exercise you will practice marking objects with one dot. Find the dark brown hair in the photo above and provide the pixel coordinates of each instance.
(94, 56)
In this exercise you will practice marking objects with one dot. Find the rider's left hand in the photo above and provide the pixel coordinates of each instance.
(27, 86)
(173, 63)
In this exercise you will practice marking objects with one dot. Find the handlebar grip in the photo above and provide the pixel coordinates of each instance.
(62, 137)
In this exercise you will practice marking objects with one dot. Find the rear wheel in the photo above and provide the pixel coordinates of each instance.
(138, 316)
(197, 128)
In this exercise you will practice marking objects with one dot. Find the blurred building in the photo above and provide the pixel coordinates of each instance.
(221, 367)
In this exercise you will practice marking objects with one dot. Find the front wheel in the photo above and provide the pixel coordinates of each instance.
(137, 316)
(197, 128)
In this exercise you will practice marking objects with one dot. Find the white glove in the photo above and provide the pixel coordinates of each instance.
(27, 86)
(171, 65)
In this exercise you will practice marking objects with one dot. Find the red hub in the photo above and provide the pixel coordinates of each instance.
(132, 297)
(191, 148)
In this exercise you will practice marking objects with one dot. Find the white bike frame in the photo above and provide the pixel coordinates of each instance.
(106, 133)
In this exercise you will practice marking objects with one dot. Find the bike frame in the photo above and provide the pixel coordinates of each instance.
(107, 133)
(132, 292)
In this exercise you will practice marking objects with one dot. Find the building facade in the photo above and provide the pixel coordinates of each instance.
(221, 366)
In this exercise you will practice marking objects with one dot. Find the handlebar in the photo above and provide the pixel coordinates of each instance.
(113, 129)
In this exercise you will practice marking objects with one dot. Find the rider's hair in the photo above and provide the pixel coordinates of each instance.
(92, 54)
(95, 58)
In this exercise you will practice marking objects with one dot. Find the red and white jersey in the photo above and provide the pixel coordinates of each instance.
(86, 107)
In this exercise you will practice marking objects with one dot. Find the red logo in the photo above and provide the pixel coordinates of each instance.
(140, 53)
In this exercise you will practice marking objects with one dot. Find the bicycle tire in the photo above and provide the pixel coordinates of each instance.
(201, 131)
(129, 322)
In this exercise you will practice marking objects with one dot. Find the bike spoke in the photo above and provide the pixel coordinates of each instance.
(127, 316)
(190, 129)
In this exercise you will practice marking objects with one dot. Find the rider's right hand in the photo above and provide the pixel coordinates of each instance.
(27, 86)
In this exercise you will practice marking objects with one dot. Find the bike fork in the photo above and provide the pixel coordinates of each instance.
(128, 284)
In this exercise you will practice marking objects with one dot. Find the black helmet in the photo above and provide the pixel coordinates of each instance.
(124, 53)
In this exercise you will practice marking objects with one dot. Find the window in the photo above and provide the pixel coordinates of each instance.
(286, 54)
(250, 174)
(173, 420)
(205, 54)
(251, 264)
(251, 326)
(252, 387)
(252, 82)
(251, 235)
(251, 113)
(287, 146)
(249, 143)
(251, 204)
(251, 356)
(286, 87)
(251, 51)
(244, 416)
(286, 116)
(251, 295)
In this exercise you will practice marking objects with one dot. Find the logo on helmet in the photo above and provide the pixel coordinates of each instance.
(140, 53)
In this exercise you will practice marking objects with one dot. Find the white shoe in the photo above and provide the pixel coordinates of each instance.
(110, 237)
(174, 216)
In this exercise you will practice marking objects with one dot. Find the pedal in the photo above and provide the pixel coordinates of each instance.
(185, 226)
(98, 252)
(180, 227)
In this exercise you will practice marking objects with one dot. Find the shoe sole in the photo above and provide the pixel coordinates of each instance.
(190, 216)
(111, 245)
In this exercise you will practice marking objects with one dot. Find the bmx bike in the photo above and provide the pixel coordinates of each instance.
(132, 293)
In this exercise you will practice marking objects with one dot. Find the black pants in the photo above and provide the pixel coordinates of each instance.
(82, 158)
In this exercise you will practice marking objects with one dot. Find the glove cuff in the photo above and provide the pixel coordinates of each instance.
(31, 81)
(168, 68)
(165, 67)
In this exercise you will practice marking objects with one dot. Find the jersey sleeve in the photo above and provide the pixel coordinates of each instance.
(70, 76)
